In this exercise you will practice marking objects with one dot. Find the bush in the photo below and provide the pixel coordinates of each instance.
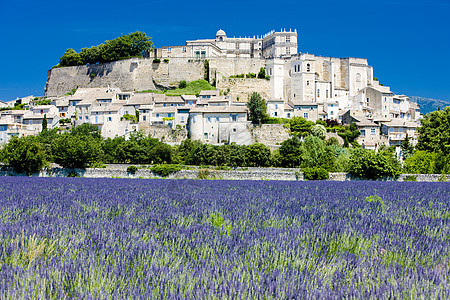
(24, 155)
(132, 169)
(156, 61)
(165, 170)
(315, 174)
(367, 164)
(182, 84)
(166, 60)
(410, 178)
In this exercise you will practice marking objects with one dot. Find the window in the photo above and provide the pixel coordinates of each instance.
(367, 100)
(276, 106)
(184, 49)
(169, 115)
(326, 96)
(288, 50)
(372, 131)
(305, 115)
(109, 119)
(197, 54)
(318, 93)
(169, 49)
(363, 132)
(203, 53)
(87, 118)
(234, 129)
(276, 114)
(144, 118)
(288, 39)
(206, 135)
(234, 118)
(237, 46)
(157, 115)
(288, 115)
(308, 68)
(307, 82)
(209, 119)
(182, 119)
(217, 119)
(194, 119)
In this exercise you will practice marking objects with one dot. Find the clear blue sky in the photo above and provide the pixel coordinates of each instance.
(406, 41)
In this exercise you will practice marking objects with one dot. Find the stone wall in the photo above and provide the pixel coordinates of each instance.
(270, 134)
(242, 88)
(163, 132)
(138, 74)
(247, 174)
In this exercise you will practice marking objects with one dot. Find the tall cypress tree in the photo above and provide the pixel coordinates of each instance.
(44, 123)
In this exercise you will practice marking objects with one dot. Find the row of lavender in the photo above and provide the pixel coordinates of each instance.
(178, 239)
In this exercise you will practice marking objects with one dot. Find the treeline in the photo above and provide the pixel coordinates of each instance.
(84, 147)
(130, 45)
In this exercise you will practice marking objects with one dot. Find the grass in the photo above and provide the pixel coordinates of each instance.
(192, 88)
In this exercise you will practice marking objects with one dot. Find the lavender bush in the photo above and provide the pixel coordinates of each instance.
(179, 239)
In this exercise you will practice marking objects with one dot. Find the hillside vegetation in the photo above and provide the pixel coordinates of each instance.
(192, 88)
(125, 46)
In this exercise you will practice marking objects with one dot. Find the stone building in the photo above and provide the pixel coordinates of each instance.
(273, 44)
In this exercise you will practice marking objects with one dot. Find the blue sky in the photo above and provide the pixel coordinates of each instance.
(406, 41)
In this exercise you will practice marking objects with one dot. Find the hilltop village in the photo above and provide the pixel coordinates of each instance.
(134, 94)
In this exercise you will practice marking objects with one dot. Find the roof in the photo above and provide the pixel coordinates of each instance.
(401, 123)
(380, 88)
(366, 123)
(62, 102)
(38, 116)
(146, 107)
(209, 93)
(43, 106)
(167, 109)
(220, 109)
(189, 97)
(303, 103)
(220, 32)
(275, 100)
(169, 99)
(140, 99)
(108, 108)
(288, 106)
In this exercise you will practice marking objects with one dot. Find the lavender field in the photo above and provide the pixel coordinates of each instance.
(183, 239)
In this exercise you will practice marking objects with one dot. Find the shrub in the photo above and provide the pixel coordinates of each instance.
(443, 178)
(410, 178)
(156, 61)
(182, 84)
(165, 169)
(64, 121)
(166, 60)
(315, 173)
(132, 169)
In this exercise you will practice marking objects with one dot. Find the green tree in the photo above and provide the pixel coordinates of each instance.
(320, 131)
(434, 134)
(407, 147)
(257, 109)
(291, 153)
(24, 155)
(262, 73)
(421, 162)
(76, 151)
(258, 155)
(299, 126)
(70, 58)
(368, 164)
(350, 134)
(44, 123)
(316, 154)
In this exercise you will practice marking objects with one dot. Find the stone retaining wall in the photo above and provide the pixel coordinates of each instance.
(245, 174)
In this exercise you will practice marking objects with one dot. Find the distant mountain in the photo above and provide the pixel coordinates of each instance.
(428, 105)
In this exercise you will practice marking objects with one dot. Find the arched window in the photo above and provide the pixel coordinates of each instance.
(308, 68)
